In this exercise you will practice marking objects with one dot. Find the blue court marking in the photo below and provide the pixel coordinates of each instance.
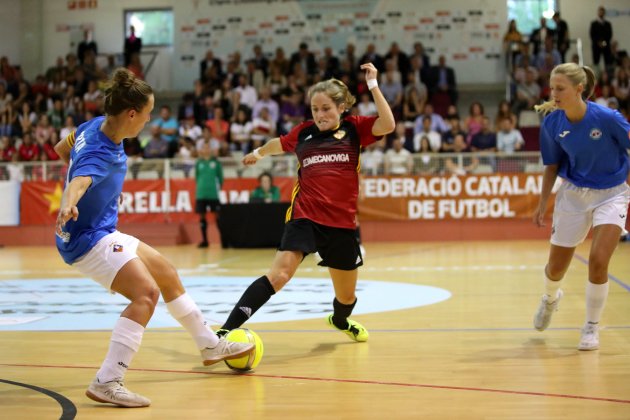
(82, 304)
(610, 276)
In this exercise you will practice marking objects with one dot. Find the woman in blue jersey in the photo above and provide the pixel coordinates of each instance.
(585, 145)
(88, 240)
(322, 215)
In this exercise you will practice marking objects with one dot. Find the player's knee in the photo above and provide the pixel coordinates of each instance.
(279, 279)
(149, 297)
(598, 263)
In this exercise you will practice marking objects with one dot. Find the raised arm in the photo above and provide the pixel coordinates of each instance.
(385, 122)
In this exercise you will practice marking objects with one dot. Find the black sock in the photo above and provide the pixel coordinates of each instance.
(256, 295)
(341, 313)
(204, 228)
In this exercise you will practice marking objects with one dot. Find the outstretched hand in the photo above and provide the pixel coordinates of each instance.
(64, 215)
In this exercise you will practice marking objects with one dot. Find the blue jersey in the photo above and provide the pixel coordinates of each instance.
(590, 153)
(93, 155)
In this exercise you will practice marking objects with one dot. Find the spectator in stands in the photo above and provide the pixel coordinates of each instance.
(263, 128)
(43, 130)
(266, 192)
(423, 63)
(135, 66)
(87, 44)
(509, 138)
(505, 111)
(56, 115)
(133, 150)
(366, 106)
(563, 40)
(185, 155)
(392, 91)
(485, 143)
(280, 62)
(276, 81)
(190, 130)
(133, 44)
(7, 148)
(224, 98)
(473, 123)
(371, 56)
(260, 61)
(93, 98)
(304, 59)
(8, 121)
(399, 60)
(57, 86)
(442, 85)
(255, 76)
(621, 86)
(512, 40)
(373, 158)
(549, 50)
(265, 101)
(47, 148)
(437, 122)
(58, 69)
(167, 126)
(398, 160)
(209, 180)
(465, 163)
(434, 138)
(241, 131)
(292, 111)
(448, 137)
(219, 130)
(156, 148)
(601, 34)
(527, 93)
(415, 96)
(426, 164)
(27, 119)
(210, 67)
(28, 152)
(191, 108)
(7, 70)
(538, 36)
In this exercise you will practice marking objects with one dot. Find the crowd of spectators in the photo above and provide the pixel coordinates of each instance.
(237, 104)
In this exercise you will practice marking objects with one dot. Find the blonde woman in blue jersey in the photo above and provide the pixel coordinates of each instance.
(585, 145)
(87, 239)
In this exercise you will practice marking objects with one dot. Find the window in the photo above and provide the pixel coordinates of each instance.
(154, 26)
(527, 13)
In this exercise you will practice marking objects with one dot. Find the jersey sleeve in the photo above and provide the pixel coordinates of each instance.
(91, 165)
(550, 150)
(620, 129)
(70, 138)
(364, 129)
(289, 140)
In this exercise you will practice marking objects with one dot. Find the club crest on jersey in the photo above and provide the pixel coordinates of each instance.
(595, 133)
(339, 134)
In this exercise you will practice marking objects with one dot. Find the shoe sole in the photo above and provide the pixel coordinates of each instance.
(588, 348)
(96, 398)
(208, 362)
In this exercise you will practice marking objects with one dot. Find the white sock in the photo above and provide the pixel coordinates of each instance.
(125, 342)
(186, 312)
(596, 295)
(551, 287)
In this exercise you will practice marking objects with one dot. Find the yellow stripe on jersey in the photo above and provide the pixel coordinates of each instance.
(359, 160)
(296, 189)
(70, 138)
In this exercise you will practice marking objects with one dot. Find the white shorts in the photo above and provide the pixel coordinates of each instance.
(108, 256)
(579, 208)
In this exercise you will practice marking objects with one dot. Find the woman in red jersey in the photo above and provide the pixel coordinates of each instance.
(324, 201)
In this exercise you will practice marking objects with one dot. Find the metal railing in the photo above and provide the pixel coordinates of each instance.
(286, 165)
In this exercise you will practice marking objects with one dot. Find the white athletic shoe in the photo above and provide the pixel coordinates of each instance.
(114, 392)
(545, 310)
(590, 337)
(225, 350)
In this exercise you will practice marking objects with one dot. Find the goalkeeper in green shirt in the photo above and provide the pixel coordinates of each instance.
(209, 178)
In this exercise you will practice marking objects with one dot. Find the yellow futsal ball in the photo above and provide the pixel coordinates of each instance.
(250, 361)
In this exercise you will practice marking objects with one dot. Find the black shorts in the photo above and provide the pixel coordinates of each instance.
(337, 247)
(203, 205)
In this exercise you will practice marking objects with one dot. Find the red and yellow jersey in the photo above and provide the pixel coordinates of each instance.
(328, 163)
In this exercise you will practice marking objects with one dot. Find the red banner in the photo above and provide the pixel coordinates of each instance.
(142, 201)
(491, 196)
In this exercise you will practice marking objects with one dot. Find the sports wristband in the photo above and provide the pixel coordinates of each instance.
(372, 83)
(257, 154)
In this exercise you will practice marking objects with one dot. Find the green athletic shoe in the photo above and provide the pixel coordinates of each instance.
(355, 331)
